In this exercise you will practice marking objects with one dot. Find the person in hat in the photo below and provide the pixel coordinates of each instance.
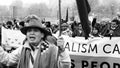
(36, 53)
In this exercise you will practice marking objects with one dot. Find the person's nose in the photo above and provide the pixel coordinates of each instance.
(32, 32)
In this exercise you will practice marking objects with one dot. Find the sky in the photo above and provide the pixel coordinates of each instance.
(8, 2)
(51, 2)
(107, 2)
(48, 2)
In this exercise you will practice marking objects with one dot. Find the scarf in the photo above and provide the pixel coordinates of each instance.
(45, 59)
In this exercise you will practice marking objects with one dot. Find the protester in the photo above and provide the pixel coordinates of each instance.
(54, 28)
(48, 26)
(104, 28)
(94, 32)
(114, 29)
(21, 24)
(15, 24)
(36, 53)
(65, 30)
(9, 25)
(77, 30)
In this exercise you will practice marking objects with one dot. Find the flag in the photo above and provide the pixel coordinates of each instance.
(88, 6)
(66, 15)
(83, 10)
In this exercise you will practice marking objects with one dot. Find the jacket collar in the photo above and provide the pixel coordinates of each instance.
(26, 45)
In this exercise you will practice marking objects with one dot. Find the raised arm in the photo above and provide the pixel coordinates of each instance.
(10, 58)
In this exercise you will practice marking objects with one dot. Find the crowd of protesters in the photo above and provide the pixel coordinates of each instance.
(109, 28)
(13, 24)
(72, 28)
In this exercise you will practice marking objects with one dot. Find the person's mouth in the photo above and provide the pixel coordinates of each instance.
(32, 38)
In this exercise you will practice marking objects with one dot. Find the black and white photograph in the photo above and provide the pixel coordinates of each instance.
(59, 33)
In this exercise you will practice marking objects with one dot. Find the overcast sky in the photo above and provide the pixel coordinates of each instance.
(48, 2)
(8, 2)
(53, 2)
(107, 2)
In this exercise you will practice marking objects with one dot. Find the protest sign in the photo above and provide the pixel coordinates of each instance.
(12, 38)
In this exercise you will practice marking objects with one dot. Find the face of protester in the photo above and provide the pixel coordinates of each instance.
(113, 25)
(34, 35)
(80, 27)
(64, 28)
(95, 31)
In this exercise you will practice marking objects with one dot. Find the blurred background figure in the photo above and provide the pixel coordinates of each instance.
(65, 30)
(77, 30)
(115, 29)
(9, 25)
(21, 24)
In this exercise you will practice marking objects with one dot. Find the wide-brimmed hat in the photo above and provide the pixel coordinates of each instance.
(65, 25)
(34, 22)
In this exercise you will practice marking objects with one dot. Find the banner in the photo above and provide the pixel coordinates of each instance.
(94, 53)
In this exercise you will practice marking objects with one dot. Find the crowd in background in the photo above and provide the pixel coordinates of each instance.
(72, 28)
